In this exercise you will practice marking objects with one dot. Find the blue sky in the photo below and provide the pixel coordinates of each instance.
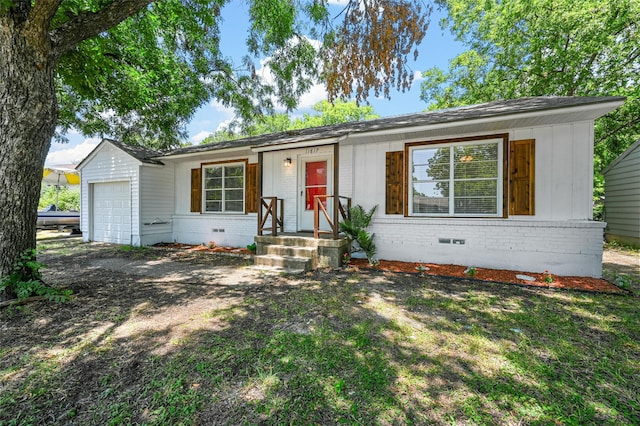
(437, 49)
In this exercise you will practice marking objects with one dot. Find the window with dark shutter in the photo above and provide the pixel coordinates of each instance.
(251, 201)
(394, 203)
(196, 190)
(522, 177)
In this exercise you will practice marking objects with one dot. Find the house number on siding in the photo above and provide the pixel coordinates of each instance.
(312, 150)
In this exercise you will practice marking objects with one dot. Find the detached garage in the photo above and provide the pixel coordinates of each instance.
(127, 196)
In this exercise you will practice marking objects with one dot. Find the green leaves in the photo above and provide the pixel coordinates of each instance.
(26, 280)
(141, 80)
(355, 227)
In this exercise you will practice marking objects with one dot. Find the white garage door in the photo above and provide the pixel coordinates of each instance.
(112, 212)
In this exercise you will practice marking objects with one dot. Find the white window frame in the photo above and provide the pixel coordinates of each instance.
(498, 141)
(224, 166)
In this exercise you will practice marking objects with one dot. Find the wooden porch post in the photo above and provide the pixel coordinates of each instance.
(336, 188)
(259, 191)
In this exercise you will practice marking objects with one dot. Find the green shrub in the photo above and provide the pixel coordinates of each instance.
(67, 199)
(25, 280)
(355, 228)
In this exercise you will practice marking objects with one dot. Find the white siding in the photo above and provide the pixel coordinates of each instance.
(156, 203)
(564, 170)
(235, 230)
(622, 198)
(224, 230)
(110, 164)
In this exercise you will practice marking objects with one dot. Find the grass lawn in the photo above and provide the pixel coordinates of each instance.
(329, 347)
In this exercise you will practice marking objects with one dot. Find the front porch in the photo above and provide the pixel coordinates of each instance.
(298, 226)
(300, 251)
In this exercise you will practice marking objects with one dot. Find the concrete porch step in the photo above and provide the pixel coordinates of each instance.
(283, 261)
(288, 240)
(296, 251)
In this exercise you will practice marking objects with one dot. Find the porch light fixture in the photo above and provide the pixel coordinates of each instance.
(287, 162)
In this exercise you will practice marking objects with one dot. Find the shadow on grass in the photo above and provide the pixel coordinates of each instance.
(324, 348)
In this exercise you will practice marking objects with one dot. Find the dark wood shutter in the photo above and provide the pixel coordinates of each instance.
(522, 156)
(196, 190)
(251, 189)
(394, 199)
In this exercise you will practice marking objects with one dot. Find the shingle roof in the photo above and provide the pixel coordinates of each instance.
(145, 155)
(489, 109)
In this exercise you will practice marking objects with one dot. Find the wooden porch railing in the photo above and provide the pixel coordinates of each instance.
(275, 209)
(338, 210)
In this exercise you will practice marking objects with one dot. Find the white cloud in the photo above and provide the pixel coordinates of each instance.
(224, 124)
(417, 76)
(198, 137)
(225, 111)
(70, 155)
(316, 94)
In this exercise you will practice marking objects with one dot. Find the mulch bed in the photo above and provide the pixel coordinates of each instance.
(481, 274)
(493, 275)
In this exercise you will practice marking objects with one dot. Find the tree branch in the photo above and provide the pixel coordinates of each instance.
(41, 15)
(623, 126)
(90, 24)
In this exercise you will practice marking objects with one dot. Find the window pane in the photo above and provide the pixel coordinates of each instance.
(213, 195)
(476, 161)
(431, 189)
(476, 169)
(483, 205)
(234, 195)
(430, 205)
(476, 188)
(431, 156)
(213, 183)
(316, 173)
(234, 206)
(438, 171)
(431, 197)
(237, 171)
(467, 153)
(211, 172)
(213, 206)
(233, 182)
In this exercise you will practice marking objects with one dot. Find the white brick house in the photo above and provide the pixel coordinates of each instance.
(507, 184)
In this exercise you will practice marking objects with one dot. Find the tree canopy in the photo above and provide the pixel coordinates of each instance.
(545, 48)
(141, 81)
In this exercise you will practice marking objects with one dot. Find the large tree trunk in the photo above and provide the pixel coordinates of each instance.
(28, 114)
